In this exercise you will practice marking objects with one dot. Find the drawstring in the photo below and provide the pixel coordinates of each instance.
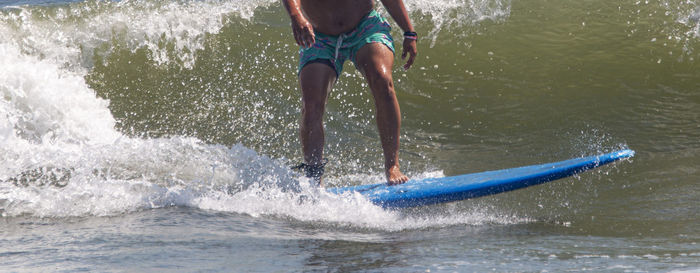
(338, 44)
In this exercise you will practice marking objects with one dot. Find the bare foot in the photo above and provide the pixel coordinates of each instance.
(394, 176)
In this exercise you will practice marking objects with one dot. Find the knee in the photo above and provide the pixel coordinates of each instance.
(380, 80)
(383, 82)
(382, 87)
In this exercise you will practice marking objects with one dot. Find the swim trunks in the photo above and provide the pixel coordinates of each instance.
(335, 49)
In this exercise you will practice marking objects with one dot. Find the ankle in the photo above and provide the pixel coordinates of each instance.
(391, 167)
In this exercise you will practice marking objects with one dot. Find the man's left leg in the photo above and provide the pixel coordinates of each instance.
(375, 61)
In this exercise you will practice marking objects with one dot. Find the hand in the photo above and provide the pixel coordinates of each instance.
(409, 47)
(303, 32)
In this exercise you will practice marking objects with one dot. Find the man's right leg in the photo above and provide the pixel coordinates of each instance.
(316, 80)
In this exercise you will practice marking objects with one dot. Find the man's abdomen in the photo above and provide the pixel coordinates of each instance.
(334, 17)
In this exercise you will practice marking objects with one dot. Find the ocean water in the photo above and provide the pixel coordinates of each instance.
(140, 136)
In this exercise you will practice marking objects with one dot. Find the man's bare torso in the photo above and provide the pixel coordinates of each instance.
(334, 17)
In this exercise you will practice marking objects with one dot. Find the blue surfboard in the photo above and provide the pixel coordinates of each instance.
(454, 188)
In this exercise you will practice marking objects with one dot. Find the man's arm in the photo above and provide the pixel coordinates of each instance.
(397, 10)
(302, 29)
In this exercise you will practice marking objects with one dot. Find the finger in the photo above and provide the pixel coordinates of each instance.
(297, 37)
(409, 63)
(306, 36)
(403, 55)
(310, 39)
(300, 38)
(302, 41)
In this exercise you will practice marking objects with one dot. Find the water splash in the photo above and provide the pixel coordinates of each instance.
(46, 105)
(679, 24)
(68, 34)
(454, 15)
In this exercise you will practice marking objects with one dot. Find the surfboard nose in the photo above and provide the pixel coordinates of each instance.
(626, 153)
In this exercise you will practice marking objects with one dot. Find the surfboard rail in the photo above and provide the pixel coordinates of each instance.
(454, 188)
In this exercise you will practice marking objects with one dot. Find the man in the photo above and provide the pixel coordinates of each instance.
(329, 32)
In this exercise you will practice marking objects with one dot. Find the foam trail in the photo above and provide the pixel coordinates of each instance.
(348, 210)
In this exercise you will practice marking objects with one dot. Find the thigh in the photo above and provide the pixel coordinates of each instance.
(375, 60)
(316, 80)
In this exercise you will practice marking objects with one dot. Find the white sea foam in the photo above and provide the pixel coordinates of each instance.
(136, 174)
(352, 210)
(695, 270)
(68, 35)
(694, 22)
(44, 104)
(686, 29)
(456, 14)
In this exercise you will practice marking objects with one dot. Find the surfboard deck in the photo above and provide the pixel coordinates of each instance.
(454, 188)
